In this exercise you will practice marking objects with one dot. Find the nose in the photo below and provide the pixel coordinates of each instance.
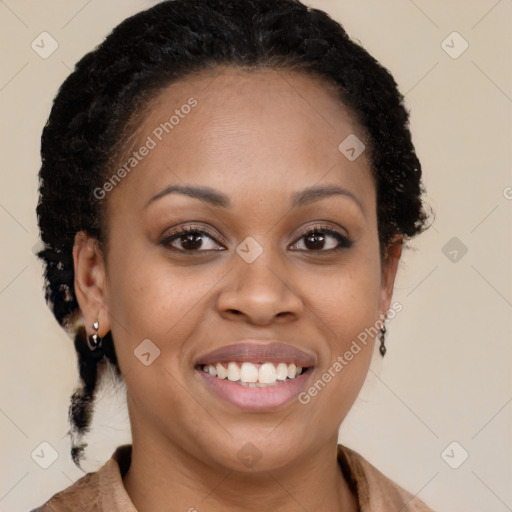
(260, 293)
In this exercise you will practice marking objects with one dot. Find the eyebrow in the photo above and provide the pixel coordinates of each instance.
(221, 200)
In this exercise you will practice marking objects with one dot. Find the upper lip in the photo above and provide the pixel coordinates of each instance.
(259, 351)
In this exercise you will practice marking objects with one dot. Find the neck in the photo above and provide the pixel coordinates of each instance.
(312, 481)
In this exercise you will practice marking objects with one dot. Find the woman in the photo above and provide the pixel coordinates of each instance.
(225, 191)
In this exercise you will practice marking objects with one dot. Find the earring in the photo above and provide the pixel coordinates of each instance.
(382, 338)
(93, 341)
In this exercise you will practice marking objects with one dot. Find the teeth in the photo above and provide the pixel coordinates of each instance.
(282, 371)
(222, 373)
(233, 372)
(248, 373)
(252, 375)
(267, 373)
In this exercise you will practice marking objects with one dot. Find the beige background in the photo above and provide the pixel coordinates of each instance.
(447, 375)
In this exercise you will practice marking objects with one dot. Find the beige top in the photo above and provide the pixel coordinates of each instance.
(103, 491)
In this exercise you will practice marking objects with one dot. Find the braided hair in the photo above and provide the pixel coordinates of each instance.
(97, 106)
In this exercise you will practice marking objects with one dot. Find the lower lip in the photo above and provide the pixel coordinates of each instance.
(257, 399)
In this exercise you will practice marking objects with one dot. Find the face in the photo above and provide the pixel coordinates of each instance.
(268, 278)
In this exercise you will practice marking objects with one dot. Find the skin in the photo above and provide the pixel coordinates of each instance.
(257, 137)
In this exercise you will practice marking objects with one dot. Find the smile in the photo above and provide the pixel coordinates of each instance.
(254, 375)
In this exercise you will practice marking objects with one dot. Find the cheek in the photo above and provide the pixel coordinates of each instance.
(348, 310)
(347, 303)
(150, 299)
(347, 298)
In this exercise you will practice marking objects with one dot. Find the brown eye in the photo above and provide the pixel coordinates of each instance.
(190, 239)
(323, 239)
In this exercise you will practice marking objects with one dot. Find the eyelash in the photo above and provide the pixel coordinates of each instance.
(343, 241)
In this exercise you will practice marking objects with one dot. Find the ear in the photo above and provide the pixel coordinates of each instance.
(90, 283)
(389, 268)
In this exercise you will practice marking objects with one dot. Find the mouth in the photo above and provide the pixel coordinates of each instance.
(256, 376)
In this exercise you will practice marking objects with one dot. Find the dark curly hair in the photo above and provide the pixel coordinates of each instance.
(98, 104)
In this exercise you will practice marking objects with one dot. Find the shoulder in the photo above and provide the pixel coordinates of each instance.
(374, 490)
(82, 495)
(102, 490)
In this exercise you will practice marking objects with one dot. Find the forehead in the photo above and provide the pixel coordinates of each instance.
(228, 128)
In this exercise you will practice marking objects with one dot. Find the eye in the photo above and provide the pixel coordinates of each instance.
(316, 239)
(190, 239)
(323, 239)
